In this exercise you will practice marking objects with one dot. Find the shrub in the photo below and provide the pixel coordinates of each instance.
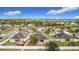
(46, 31)
(33, 40)
(52, 46)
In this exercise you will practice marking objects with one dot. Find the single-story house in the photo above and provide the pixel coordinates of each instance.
(61, 23)
(51, 29)
(8, 25)
(63, 36)
(54, 29)
(76, 35)
(1, 37)
(52, 23)
(3, 27)
(41, 38)
(73, 23)
(40, 28)
(21, 36)
(29, 27)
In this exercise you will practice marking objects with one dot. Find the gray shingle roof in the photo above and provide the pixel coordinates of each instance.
(63, 36)
(77, 34)
(41, 36)
(20, 35)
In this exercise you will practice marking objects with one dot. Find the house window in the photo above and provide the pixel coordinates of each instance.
(41, 40)
(17, 40)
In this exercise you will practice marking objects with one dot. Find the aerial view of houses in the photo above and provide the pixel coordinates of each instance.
(39, 29)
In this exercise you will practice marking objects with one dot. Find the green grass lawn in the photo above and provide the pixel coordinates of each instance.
(10, 49)
(5, 31)
(9, 44)
(5, 38)
(68, 43)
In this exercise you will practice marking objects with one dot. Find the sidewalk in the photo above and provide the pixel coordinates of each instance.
(38, 48)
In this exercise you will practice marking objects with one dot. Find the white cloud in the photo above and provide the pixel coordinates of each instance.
(76, 17)
(16, 12)
(63, 10)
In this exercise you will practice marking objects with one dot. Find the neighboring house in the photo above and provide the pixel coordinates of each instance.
(54, 29)
(3, 27)
(76, 35)
(66, 22)
(17, 26)
(61, 23)
(77, 22)
(21, 25)
(29, 26)
(52, 23)
(63, 36)
(41, 37)
(8, 25)
(21, 36)
(40, 28)
(1, 37)
(73, 23)
(51, 29)
(11, 33)
(65, 29)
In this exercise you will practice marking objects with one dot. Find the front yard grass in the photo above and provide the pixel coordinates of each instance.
(10, 49)
(68, 43)
(9, 44)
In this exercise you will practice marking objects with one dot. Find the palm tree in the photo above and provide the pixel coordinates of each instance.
(52, 46)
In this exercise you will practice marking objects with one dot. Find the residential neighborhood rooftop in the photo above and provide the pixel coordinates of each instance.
(41, 36)
(20, 35)
(63, 36)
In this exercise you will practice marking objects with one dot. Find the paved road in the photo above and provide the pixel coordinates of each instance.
(26, 42)
(70, 48)
(21, 47)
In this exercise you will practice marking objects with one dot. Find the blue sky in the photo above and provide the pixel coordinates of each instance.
(39, 12)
